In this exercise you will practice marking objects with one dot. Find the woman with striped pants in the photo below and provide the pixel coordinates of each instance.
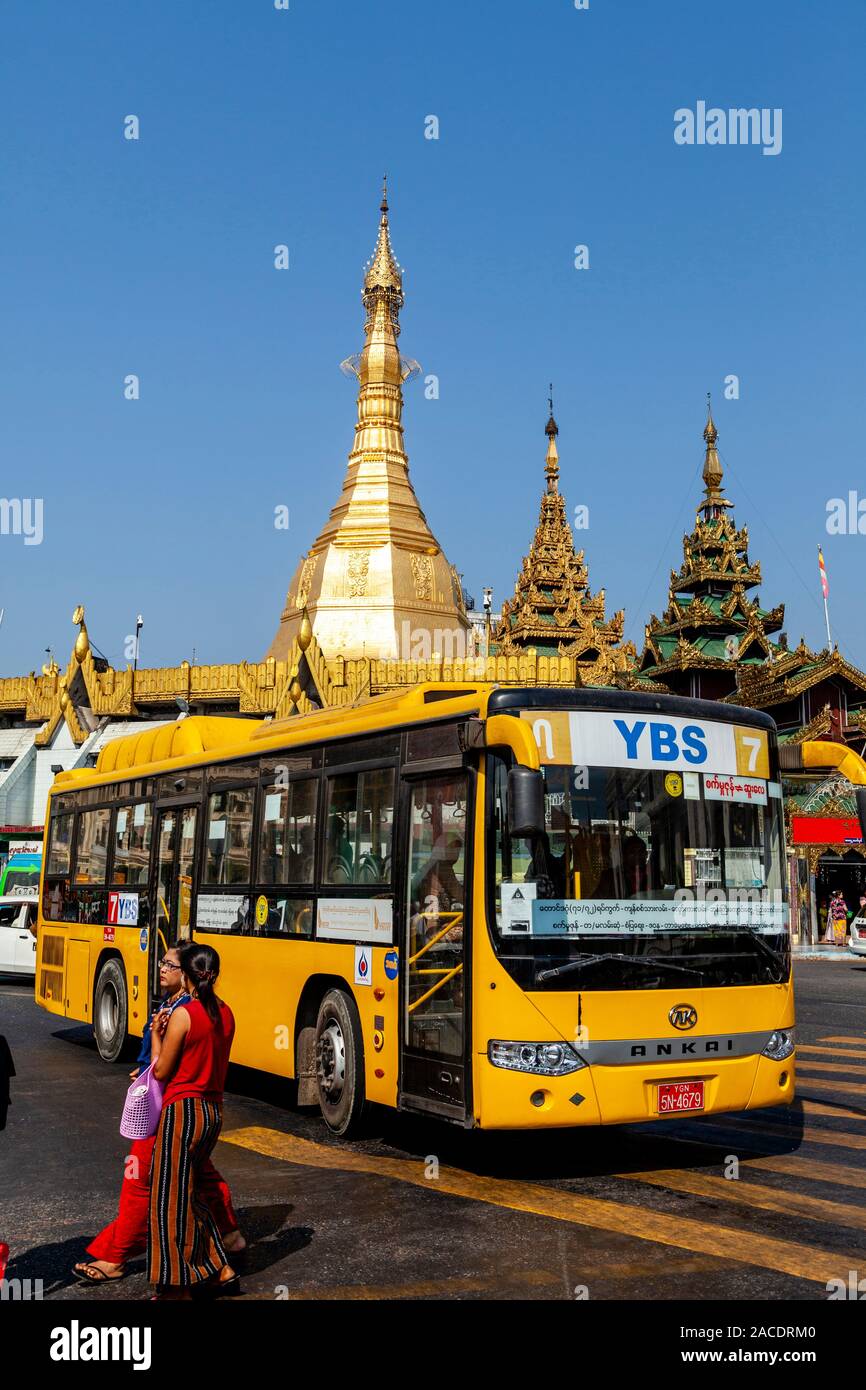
(191, 1058)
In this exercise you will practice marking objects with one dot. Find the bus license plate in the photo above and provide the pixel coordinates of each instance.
(681, 1095)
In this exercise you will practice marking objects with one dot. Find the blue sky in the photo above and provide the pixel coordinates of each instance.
(260, 127)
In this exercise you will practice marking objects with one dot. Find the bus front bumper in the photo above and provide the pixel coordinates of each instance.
(627, 1094)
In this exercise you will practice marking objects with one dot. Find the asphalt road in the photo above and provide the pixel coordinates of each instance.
(419, 1210)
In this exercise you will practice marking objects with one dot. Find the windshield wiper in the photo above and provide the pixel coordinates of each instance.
(582, 961)
(778, 961)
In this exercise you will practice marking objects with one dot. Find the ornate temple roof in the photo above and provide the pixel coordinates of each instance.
(711, 620)
(794, 672)
(553, 611)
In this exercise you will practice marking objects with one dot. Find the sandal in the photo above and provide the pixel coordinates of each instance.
(220, 1288)
(90, 1274)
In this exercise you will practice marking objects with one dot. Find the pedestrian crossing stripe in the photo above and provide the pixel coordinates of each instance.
(750, 1194)
(812, 1169)
(805, 1064)
(848, 1088)
(823, 1107)
(828, 1051)
(755, 1134)
(801, 1261)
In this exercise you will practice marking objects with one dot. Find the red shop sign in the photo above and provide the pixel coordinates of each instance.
(825, 830)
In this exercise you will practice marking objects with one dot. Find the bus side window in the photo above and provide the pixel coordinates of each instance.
(133, 827)
(229, 836)
(91, 858)
(287, 848)
(360, 827)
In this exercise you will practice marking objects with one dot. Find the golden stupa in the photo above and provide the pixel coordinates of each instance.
(376, 578)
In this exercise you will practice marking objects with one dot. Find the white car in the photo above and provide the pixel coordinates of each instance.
(857, 939)
(18, 935)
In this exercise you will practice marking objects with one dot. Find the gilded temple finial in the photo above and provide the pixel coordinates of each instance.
(714, 501)
(383, 272)
(551, 467)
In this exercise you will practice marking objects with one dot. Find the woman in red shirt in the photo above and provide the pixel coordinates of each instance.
(191, 1058)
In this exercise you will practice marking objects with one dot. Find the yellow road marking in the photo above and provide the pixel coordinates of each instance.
(426, 1288)
(808, 1135)
(539, 1278)
(749, 1194)
(807, 1066)
(808, 1107)
(811, 1168)
(681, 1232)
(858, 1042)
(829, 1051)
(818, 1107)
(850, 1088)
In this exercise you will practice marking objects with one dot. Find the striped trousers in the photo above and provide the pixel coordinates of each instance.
(184, 1246)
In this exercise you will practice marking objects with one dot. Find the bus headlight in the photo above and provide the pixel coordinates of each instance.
(780, 1045)
(542, 1059)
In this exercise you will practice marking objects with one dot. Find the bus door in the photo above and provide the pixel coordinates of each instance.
(171, 910)
(434, 1051)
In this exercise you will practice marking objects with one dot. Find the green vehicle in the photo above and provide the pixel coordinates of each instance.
(20, 876)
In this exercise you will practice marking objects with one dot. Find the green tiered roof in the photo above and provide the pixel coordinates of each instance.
(710, 622)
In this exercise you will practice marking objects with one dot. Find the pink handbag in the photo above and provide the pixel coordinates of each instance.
(142, 1107)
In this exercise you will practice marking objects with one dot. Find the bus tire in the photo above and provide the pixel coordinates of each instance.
(110, 1011)
(340, 1078)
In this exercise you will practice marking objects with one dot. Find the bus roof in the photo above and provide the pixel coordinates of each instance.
(194, 739)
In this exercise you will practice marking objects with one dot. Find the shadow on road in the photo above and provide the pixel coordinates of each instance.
(269, 1241)
(540, 1155)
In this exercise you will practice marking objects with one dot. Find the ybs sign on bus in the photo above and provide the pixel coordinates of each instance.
(597, 738)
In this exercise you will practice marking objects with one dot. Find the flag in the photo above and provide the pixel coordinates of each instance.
(825, 587)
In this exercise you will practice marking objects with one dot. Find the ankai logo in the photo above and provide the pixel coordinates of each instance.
(683, 1016)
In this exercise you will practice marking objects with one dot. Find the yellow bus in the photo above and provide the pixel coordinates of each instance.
(505, 907)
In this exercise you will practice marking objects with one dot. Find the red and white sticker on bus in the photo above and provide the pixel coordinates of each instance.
(670, 742)
(123, 909)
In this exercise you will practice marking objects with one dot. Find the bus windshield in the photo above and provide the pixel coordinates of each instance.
(657, 875)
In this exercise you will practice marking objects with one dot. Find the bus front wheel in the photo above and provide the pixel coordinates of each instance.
(110, 1011)
(340, 1063)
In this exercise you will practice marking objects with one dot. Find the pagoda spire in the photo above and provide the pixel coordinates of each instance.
(553, 612)
(712, 628)
(384, 277)
(714, 501)
(375, 570)
(551, 466)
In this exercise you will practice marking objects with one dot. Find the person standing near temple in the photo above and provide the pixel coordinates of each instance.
(191, 1059)
(837, 919)
(124, 1238)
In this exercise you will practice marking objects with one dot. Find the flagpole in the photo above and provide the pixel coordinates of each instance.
(825, 590)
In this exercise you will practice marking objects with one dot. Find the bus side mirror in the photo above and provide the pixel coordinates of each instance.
(525, 801)
(860, 793)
